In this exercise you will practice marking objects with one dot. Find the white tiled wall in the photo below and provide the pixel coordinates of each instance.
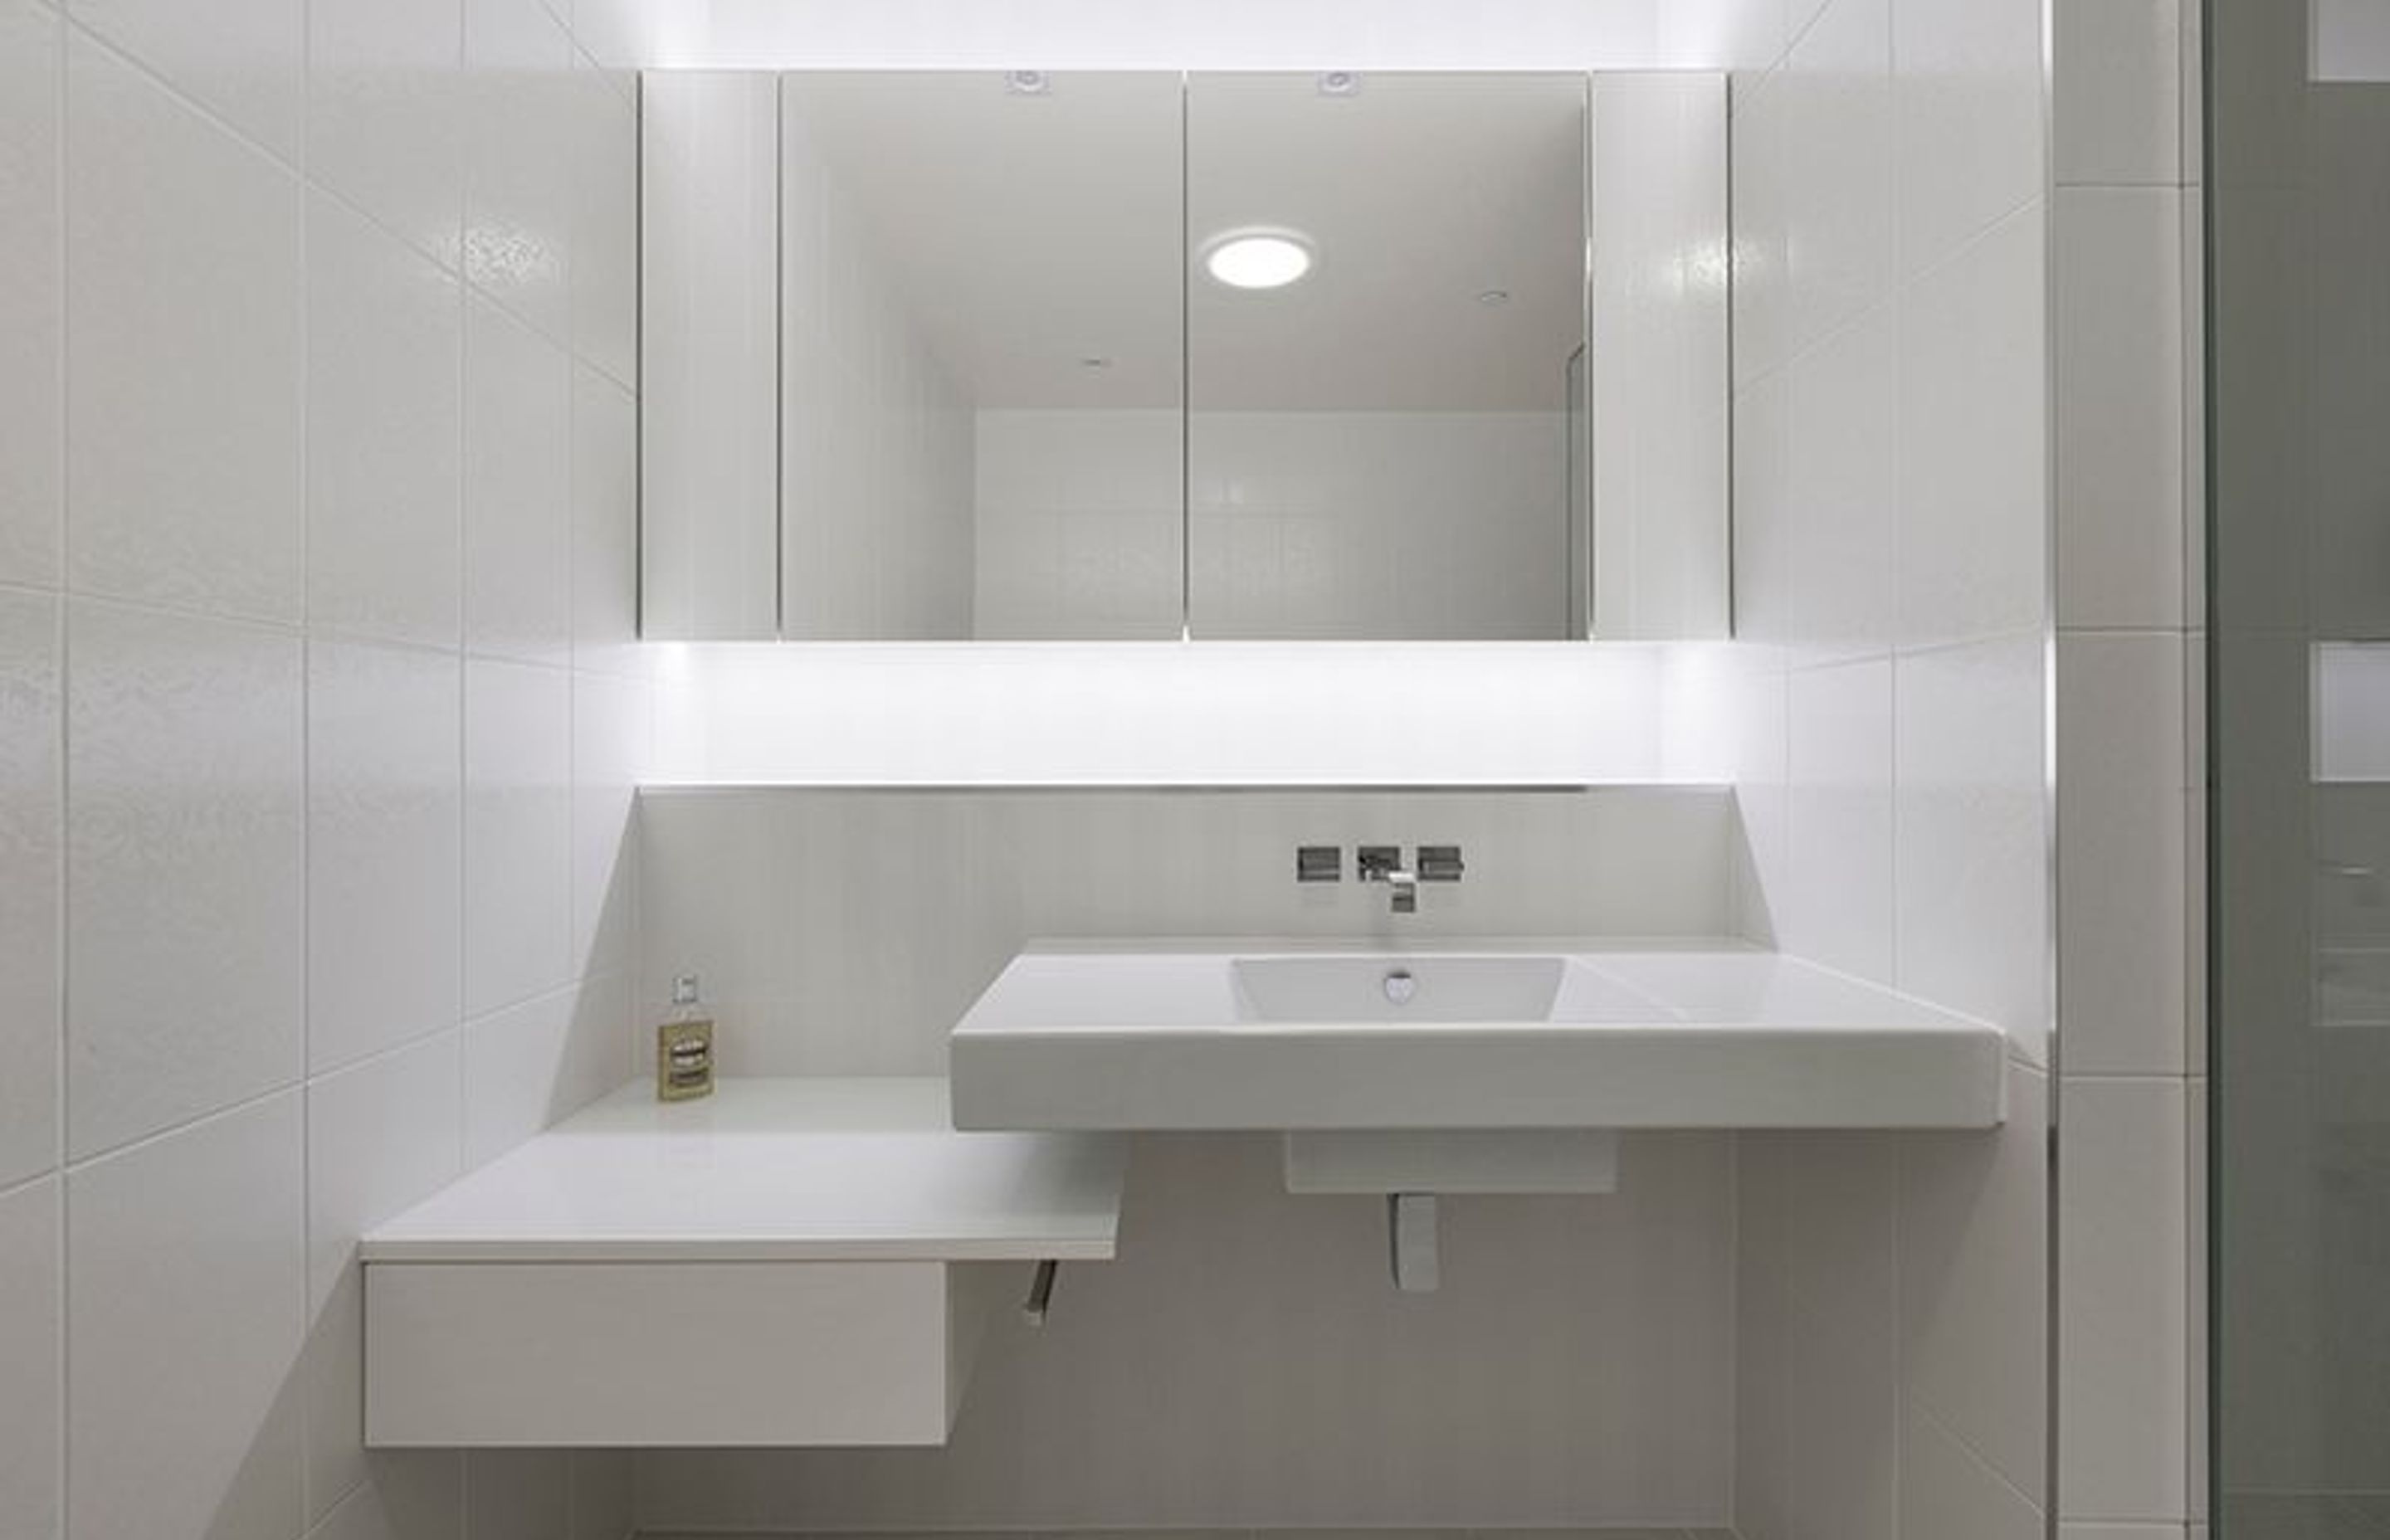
(1245, 1361)
(1891, 601)
(318, 716)
(2129, 609)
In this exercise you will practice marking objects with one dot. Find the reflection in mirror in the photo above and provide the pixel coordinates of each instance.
(1385, 305)
(981, 352)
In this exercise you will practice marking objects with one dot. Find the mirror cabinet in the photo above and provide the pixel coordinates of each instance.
(1149, 357)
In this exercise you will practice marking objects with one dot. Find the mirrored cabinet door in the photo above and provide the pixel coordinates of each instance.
(981, 355)
(1386, 286)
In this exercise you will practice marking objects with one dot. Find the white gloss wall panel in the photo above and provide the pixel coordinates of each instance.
(2122, 1326)
(709, 355)
(187, 1280)
(1128, 714)
(185, 869)
(234, 461)
(1974, 1282)
(384, 417)
(604, 146)
(1574, 1370)
(241, 60)
(1967, 121)
(1970, 434)
(380, 1135)
(29, 853)
(518, 834)
(845, 932)
(2120, 398)
(518, 456)
(386, 126)
(1973, 832)
(185, 352)
(2117, 88)
(1839, 908)
(1657, 308)
(605, 524)
(2124, 821)
(535, 1062)
(31, 328)
(385, 810)
(609, 749)
(519, 183)
(31, 1353)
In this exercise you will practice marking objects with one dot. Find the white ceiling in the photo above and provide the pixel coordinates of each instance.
(1422, 192)
(1034, 232)
(1028, 232)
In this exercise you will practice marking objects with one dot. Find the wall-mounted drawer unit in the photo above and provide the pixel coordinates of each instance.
(792, 1262)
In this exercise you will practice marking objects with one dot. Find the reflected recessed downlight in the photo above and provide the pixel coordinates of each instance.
(1257, 259)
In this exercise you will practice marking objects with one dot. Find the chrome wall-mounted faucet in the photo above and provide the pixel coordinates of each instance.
(1384, 864)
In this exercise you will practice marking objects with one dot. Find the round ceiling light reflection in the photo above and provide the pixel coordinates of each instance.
(1257, 259)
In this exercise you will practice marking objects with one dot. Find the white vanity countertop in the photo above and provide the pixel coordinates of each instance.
(802, 1170)
(1564, 1034)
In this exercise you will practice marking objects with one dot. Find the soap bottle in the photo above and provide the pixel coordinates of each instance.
(685, 1047)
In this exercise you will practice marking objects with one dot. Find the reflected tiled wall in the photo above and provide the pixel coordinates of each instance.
(1892, 598)
(318, 718)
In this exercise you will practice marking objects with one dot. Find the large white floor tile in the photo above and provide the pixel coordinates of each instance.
(518, 490)
(385, 113)
(385, 478)
(243, 59)
(2123, 1325)
(32, 1354)
(29, 294)
(2123, 972)
(518, 834)
(186, 918)
(1974, 1288)
(187, 1281)
(184, 355)
(385, 843)
(2122, 523)
(31, 837)
(1972, 834)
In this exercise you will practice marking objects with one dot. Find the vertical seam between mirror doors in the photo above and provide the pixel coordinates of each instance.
(780, 360)
(1186, 366)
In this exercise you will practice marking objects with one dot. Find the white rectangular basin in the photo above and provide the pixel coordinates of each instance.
(1490, 1037)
